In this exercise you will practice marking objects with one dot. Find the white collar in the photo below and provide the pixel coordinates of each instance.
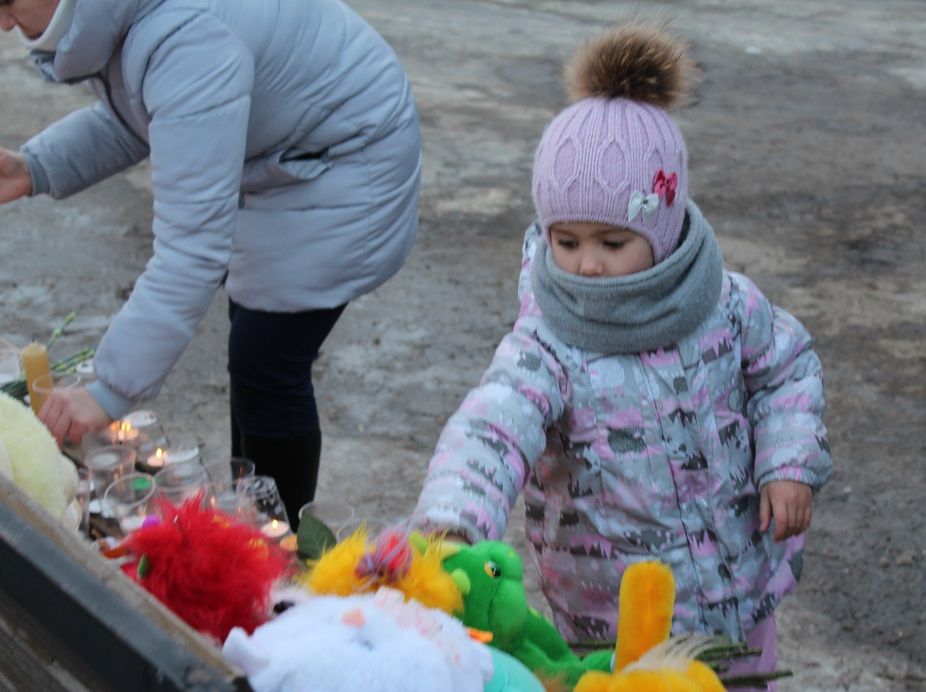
(57, 28)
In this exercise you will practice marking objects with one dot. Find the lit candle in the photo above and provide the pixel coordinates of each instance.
(121, 432)
(156, 460)
(35, 364)
(126, 433)
(275, 529)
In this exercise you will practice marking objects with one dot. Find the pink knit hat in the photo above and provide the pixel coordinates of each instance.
(615, 156)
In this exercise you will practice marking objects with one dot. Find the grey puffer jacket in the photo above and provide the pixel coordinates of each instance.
(285, 153)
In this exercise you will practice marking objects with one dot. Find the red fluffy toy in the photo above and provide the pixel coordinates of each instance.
(213, 573)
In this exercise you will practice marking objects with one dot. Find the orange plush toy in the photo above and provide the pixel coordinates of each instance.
(646, 659)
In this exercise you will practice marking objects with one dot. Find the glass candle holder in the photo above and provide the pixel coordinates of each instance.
(151, 433)
(234, 504)
(370, 525)
(86, 371)
(44, 385)
(270, 513)
(131, 500)
(178, 482)
(108, 464)
(241, 469)
(227, 473)
(331, 513)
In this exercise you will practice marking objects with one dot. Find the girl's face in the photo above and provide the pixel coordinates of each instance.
(597, 249)
(31, 16)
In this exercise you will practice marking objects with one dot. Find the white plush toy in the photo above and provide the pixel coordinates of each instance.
(362, 643)
(30, 457)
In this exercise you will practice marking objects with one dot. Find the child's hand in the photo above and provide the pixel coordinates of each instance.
(790, 503)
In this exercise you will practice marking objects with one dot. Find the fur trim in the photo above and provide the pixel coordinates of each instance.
(640, 62)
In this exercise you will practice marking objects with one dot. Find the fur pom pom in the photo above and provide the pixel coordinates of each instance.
(640, 62)
(212, 573)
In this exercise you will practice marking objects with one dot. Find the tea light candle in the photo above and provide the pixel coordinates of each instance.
(141, 419)
(178, 455)
(157, 459)
(121, 432)
(275, 529)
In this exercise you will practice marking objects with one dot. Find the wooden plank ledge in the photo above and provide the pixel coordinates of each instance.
(69, 619)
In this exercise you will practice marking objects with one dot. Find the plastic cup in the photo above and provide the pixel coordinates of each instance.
(151, 435)
(178, 482)
(108, 464)
(235, 504)
(241, 468)
(371, 525)
(131, 500)
(227, 473)
(43, 386)
(270, 512)
(331, 513)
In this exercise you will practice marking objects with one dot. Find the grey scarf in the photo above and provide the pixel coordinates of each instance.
(637, 312)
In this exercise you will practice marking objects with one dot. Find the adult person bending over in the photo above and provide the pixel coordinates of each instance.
(285, 157)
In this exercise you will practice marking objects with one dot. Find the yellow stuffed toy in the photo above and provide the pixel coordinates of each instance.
(411, 566)
(646, 659)
(30, 457)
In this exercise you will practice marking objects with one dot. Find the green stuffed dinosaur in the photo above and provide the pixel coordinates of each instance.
(491, 577)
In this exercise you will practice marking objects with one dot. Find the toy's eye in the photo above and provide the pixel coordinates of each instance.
(492, 569)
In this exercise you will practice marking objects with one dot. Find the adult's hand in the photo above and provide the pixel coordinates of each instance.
(69, 414)
(15, 180)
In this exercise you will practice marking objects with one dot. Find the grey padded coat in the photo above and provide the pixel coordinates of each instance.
(285, 154)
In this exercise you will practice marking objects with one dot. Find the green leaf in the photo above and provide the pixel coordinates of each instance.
(313, 538)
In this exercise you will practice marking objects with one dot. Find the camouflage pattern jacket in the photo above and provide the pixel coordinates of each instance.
(656, 455)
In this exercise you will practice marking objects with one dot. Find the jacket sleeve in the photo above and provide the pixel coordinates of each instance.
(81, 149)
(784, 380)
(196, 89)
(489, 446)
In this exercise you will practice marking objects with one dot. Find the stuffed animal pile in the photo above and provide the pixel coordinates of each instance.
(30, 457)
(377, 616)
(400, 612)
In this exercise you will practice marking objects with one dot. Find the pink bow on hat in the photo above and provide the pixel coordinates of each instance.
(664, 186)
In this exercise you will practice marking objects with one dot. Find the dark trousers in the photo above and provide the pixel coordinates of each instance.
(274, 418)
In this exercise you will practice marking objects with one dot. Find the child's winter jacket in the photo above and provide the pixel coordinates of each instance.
(624, 458)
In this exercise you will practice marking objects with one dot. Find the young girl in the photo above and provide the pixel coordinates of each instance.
(649, 404)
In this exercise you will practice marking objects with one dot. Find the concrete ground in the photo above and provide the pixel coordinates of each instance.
(806, 140)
